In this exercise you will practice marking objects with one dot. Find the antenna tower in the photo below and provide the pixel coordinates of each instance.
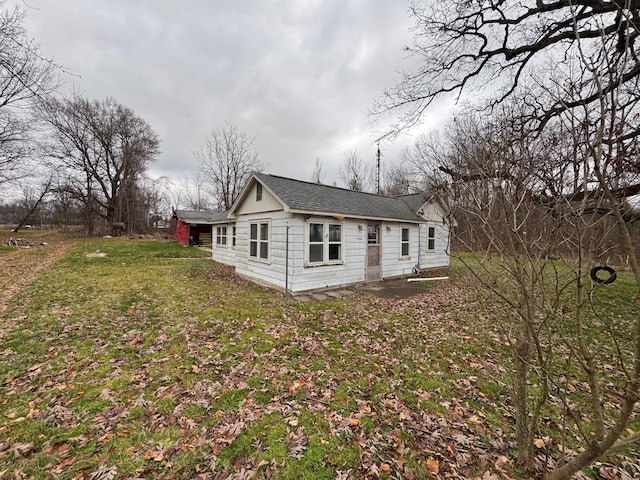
(378, 157)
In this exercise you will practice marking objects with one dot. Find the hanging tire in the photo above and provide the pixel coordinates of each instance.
(604, 281)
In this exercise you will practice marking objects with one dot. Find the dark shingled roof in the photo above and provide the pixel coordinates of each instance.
(318, 198)
(192, 216)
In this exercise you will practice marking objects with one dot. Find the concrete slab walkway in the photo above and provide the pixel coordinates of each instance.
(393, 289)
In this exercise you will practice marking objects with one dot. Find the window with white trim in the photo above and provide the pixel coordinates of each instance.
(233, 237)
(431, 239)
(259, 240)
(258, 192)
(324, 243)
(221, 235)
(404, 242)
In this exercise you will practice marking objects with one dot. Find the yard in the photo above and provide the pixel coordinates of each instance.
(144, 359)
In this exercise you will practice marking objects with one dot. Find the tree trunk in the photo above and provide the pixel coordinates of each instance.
(524, 460)
(33, 209)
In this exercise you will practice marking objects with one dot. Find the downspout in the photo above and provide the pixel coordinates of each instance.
(416, 268)
(286, 264)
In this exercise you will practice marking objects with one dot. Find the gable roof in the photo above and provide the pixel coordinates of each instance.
(298, 196)
(202, 217)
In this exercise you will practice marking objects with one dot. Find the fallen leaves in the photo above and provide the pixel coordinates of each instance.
(234, 382)
(433, 466)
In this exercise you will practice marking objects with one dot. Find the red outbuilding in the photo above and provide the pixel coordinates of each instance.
(194, 228)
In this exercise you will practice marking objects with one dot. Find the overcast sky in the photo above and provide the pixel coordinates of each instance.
(299, 76)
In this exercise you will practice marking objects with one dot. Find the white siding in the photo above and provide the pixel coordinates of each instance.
(271, 271)
(354, 244)
(432, 212)
(439, 257)
(224, 253)
(393, 264)
(250, 205)
(351, 271)
(301, 277)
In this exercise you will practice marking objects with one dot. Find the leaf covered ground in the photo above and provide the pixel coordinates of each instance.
(144, 359)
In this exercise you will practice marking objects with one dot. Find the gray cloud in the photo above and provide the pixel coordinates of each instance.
(298, 76)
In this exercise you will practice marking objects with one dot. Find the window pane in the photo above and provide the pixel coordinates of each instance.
(258, 192)
(334, 251)
(372, 234)
(405, 234)
(264, 249)
(315, 232)
(405, 249)
(254, 231)
(264, 231)
(431, 241)
(253, 249)
(315, 253)
(224, 231)
(335, 233)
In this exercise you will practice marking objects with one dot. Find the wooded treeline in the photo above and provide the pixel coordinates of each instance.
(76, 160)
(540, 170)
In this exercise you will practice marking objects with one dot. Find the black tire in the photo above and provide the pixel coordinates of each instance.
(604, 281)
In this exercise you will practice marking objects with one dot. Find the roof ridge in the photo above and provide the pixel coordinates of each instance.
(325, 185)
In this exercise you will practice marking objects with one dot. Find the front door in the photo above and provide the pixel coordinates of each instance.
(374, 253)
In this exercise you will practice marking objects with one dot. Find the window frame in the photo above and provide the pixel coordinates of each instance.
(233, 236)
(326, 243)
(260, 241)
(431, 239)
(221, 236)
(258, 192)
(406, 242)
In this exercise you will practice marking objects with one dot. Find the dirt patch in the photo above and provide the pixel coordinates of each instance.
(20, 268)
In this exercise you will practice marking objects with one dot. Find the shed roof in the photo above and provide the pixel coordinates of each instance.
(307, 197)
(202, 217)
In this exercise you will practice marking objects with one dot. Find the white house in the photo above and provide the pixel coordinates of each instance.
(299, 236)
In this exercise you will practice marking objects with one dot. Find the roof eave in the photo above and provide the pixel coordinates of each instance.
(355, 216)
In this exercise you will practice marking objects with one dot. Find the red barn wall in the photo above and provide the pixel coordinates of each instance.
(182, 232)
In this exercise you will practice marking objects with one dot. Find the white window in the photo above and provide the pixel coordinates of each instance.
(404, 242)
(258, 192)
(221, 235)
(324, 243)
(373, 234)
(259, 240)
(431, 239)
(233, 237)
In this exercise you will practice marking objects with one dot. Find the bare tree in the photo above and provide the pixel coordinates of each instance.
(105, 148)
(535, 231)
(355, 174)
(318, 175)
(397, 180)
(227, 160)
(194, 194)
(493, 46)
(25, 76)
(551, 206)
